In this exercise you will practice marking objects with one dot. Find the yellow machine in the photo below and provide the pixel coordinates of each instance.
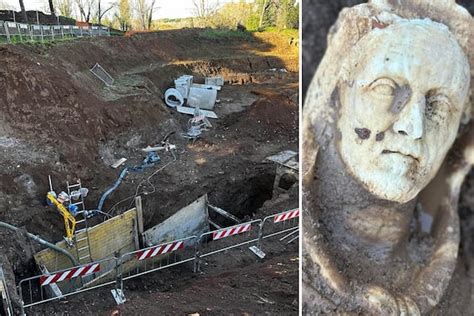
(69, 220)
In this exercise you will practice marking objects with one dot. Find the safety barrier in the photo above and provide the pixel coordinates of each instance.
(14, 32)
(109, 271)
(278, 224)
(165, 255)
(217, 241)
(54, 285)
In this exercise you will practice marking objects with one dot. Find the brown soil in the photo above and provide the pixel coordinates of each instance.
(57, 119)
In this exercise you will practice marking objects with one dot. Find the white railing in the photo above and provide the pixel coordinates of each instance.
(13, 32)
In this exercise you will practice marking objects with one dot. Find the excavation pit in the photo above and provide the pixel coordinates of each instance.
(67, 124)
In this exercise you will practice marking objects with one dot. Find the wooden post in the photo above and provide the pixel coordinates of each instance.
(138, 206)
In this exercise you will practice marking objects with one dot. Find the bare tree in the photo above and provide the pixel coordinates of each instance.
(150, 13)
(65, 7)
(23, 12)
(85, 8)
(144, 10)
(203, 8)
(51, 8)
(101, 12)
(141, 10)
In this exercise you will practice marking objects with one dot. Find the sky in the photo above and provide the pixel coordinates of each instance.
(165, 8)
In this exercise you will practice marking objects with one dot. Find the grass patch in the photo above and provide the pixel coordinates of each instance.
(225, 34)
(287, 32)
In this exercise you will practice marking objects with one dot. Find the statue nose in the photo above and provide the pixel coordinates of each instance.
(410, 120)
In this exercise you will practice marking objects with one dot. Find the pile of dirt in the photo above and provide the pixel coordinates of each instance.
(35, 17)
(270, 116)
(57, 119)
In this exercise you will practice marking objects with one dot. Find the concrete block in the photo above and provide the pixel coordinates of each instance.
(183, 84)
(203, 98)
(215, 81)
(206, 86)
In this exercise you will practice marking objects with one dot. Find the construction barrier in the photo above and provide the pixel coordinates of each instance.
(13, 32)
(165, 255)
(88, 269)
(51, 286)
(278, 224)
(225, 239)
(106, 272)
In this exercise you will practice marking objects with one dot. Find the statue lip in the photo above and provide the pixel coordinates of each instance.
(387, 151)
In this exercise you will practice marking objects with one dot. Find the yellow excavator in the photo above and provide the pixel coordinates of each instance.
(69, 220)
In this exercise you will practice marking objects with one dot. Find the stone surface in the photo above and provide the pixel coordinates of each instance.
(386, 146)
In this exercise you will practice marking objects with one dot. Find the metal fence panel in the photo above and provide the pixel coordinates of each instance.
(3, 31)
(77, 31)
(94, 30)
(86, 31)
(57, 31)
(67, 31)
(24, 31)
(47, 32)
(227, 238)
(165, 255)
(278, 224)
(11, 31)
(36, 32)
(104, 31)
(103, 75)
(55, 285)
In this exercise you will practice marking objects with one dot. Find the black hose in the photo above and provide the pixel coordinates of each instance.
(43, 242)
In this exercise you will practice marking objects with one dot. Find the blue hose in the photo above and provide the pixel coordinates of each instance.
(112, 189)
(149, 161)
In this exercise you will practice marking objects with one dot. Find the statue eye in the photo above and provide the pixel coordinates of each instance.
(383, 86)
(437, 107)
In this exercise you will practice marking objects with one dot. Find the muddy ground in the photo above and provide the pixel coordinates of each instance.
(318, 17)
(57, 119)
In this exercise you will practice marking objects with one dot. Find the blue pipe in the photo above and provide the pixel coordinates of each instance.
(149, 161)
(112, 189)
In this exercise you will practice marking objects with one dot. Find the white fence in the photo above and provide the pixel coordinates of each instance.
(18, 32)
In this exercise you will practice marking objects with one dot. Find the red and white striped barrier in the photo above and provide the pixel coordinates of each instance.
(159, 250)
(46, 279)
(286, 216)
(226, 232)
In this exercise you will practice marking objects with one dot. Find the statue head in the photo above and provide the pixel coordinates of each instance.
(403, 91)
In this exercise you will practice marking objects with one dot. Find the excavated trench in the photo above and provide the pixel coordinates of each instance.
(94, 125)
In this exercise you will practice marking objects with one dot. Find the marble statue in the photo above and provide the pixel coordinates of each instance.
(387, 142)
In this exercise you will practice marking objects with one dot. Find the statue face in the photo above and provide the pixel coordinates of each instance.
(402, 99)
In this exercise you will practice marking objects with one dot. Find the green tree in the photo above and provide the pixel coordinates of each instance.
(287, 14)
(123, 15)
